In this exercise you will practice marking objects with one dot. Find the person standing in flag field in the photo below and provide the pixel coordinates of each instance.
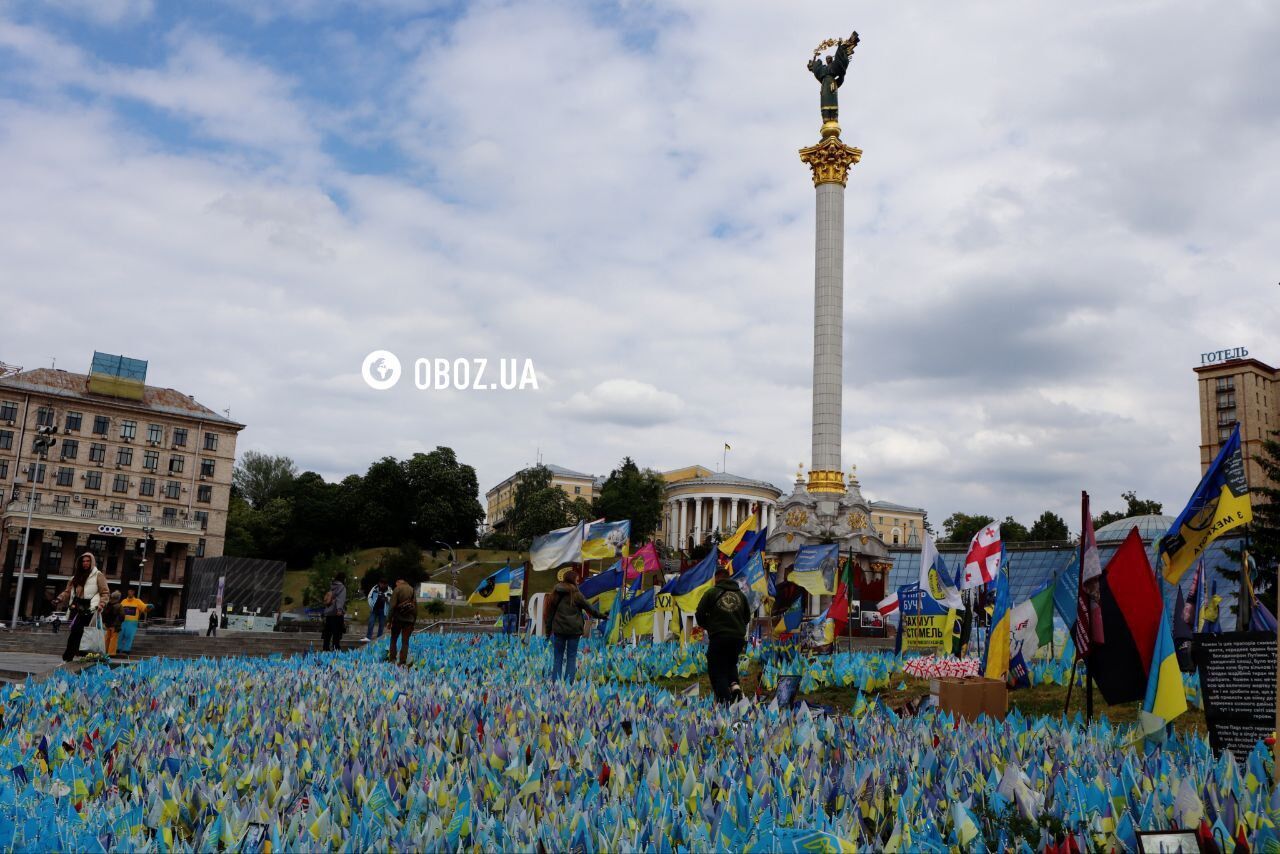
(134, 610)
(404, 615)
(565, 625)
(379, 595)
(723, 613)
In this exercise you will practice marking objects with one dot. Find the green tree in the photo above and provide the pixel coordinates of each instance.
(446, 498)
(317, 523)
(262, 477)
(1012, 531)
(326, 568)
(538, 506)
(633, 493)
(1264, 531)
(385, 504)
(960, 527)
(240, 522)
(1134, 506)
(404, 562)
(1050, 527)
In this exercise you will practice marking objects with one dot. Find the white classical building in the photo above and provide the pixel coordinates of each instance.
(700, 501)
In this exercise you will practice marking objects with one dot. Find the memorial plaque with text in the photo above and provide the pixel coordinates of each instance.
(1238, 681)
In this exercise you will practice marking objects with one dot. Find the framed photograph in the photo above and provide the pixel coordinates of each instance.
(788, 687)
(872, 620)
(1167, 841)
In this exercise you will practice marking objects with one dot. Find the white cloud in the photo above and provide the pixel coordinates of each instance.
(627, 402)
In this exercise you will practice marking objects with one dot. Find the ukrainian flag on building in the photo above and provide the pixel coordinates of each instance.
(1220, 503)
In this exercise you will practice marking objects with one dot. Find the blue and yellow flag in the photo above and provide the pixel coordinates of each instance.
(601, 590)
(1220, 503)
(495, 588)
(1166, 698)
(687, 588)
(996, 665)
(730, 545)
(604, 540)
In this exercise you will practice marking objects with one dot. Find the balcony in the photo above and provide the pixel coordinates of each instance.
(1226, 401)
(46, 510)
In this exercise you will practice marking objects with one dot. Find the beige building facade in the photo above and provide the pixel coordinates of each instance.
(700, 502)
(132, 464)
(1240, 391)
(500, 499)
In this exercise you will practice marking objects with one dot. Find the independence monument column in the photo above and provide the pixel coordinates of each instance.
(829, 160)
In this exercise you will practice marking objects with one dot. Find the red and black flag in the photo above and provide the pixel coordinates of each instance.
(1130, 606)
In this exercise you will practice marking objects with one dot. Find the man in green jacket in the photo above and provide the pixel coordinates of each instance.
(723, 613)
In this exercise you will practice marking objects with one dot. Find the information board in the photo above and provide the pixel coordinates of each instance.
(1238, 682)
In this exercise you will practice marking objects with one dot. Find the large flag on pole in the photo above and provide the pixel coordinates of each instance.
(601, 589)
(1032, 623)
(730, 545)
(934, 576)
(495, 588)
(1166, 698)
(815, 568)
(644, 560)
(996, 665)
(604, 540)
(561, 546)
(982, 562)
(1130, 605)
(686, 589)
(1088, 626)
(1220, 503)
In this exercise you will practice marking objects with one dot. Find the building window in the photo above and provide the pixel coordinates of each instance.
(44, 417)
(176, 462)
(172, 489)
(124, 457)
(117, 509)
(97, 452)
(151, 460)
(35, 472)
(73, 421)
(207, 468)
(101, 424)
(4, 469)
(93, 480)
(6, 440)
(169, 515)
(61, 504)
(1226, 383)
(70, 448)
(202, 519)
(179, 437)
(155, 434)
(144, 511)
(1226, 417)
(204, 493)
(8, 411)
(1226, 401)
(121, 483)
(128, 430)
(1224, 433)
(211, 441)
(66, 476)
(89, 507)
(147, 486)
(200, 548)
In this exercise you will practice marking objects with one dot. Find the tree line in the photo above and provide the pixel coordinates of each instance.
(959, 528)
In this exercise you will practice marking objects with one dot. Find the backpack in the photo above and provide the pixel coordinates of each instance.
(406, 612)
(379, 603)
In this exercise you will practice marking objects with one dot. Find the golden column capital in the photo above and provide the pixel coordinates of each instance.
(826, 481)
(830, 159)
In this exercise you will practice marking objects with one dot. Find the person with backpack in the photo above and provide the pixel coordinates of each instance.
(404, 615)
(379, 599)
(724, 614)
(565, 625)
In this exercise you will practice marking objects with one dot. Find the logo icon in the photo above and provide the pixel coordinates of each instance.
(381, 370)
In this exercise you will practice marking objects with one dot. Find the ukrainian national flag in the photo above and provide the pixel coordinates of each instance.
(730, 545)
(790, 620)
(601, 590)
(687, 588)
(1220, 503)
(637, 614)
(495, 588)
(996, 665)
(1165, 698)
(604, 540)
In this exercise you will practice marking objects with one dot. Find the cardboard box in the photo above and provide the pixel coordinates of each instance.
(995, 698)
(960, 697)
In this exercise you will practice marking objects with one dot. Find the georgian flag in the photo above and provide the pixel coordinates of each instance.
(982, 563)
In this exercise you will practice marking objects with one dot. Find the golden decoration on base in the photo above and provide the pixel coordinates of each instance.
(830, 159)
(857, 521)
(826, 481)
(797, 518)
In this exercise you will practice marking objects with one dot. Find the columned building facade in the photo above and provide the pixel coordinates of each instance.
(701, 502)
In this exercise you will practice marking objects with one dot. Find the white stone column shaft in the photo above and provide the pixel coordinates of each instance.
(828, 326)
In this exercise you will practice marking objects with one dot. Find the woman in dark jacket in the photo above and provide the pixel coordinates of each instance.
(565, 625)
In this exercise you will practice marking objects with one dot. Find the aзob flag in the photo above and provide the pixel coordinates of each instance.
(1130, 606)
(1220, 503)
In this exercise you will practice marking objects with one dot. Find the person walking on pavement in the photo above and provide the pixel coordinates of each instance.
(112, 618)
(379, 599)
(335, 614)
(212, 631)
(404, 615)
(724, 614)
(85, 593)
(134, 610)
(565, 625)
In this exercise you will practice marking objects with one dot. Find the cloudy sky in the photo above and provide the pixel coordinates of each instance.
(1059, 207)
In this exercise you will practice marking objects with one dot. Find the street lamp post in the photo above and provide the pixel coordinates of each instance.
(453, 563)
(43, 441)
(147, 531)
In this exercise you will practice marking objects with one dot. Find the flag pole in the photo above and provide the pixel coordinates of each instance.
(1086, 519)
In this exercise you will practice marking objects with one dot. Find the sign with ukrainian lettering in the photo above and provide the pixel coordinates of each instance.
(1223, 356)
(1238, 677)
(924, 624)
